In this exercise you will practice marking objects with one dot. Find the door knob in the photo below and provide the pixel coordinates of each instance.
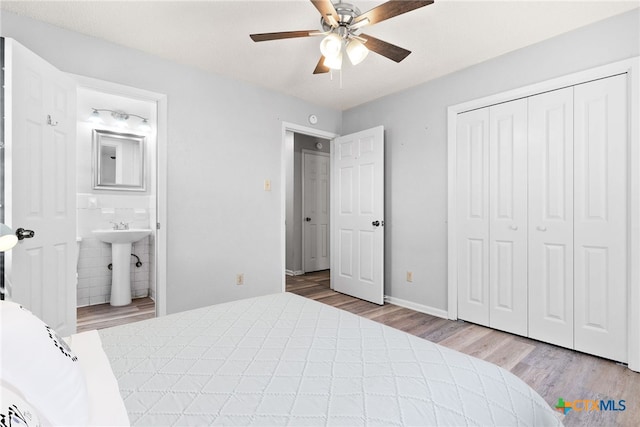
(22, 234)
(513, 227)
(541, 228)
(376, 223)
(307, 219)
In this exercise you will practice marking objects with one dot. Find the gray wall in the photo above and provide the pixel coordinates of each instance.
(224, 140)
(415, 124)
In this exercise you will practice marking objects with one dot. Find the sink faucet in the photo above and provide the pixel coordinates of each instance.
(121, 226)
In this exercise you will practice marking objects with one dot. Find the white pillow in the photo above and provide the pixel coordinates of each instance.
(39, 365)
(14, 411)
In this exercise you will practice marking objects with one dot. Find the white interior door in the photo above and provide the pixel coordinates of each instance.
(551, 217)
(315, 228)
(472, 180)
(357, 220)
(40, 155)
(508, 217)
(600, 218)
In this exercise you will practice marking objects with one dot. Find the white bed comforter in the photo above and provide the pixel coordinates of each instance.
(286, 360)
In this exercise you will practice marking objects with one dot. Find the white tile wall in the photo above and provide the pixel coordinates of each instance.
(97, 211)
(94, 276)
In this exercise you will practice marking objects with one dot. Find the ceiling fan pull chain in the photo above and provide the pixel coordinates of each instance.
(340, 78)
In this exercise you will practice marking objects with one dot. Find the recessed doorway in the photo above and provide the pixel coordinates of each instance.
(307, 199)
(300, 142)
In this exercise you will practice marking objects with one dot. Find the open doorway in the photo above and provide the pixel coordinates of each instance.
(103, 208)
(307, 200)
(119, 192)
(356, 163)
(295, 139)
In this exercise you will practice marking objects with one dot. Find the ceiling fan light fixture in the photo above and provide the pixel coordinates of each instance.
(331, 46)
(356, 51)
(341, 23)
(334, 62)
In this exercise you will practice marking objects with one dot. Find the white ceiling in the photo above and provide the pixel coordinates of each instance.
(214, 35)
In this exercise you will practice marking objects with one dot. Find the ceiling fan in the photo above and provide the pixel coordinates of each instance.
(341, 24)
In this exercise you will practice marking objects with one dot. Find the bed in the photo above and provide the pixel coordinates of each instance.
(286, 360)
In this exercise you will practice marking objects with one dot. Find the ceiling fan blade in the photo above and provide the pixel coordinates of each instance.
(282, 35)
(321, 68)
(390, 9)
(328, 12)
(391, 51)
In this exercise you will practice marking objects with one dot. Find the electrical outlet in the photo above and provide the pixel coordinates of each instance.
(409, 276)
(267, 185)
(240, 279)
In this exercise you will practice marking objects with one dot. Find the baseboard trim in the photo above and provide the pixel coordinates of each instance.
(417, 307)
(293, 273)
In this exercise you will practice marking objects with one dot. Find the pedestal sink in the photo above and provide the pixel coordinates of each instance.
(121, 241)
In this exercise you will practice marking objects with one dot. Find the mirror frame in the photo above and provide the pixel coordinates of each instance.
(98, 134)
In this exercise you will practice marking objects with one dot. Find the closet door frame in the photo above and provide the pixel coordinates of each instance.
(632, 68)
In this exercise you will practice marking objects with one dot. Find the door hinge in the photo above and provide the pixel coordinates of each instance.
(157, 226)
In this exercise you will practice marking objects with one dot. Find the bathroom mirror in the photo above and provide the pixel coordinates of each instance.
(118, 161)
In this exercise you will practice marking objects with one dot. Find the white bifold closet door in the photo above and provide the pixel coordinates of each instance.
(551, 217)
(578, 217)
(600, 217)
(492, 216)
(508, 217)
(542, 217)
(472, 180)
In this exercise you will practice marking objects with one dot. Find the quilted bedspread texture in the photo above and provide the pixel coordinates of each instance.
(285, 360)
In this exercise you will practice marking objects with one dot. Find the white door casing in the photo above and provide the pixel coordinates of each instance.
(315, 210)
(472, 221)
(600, 217)
(508, 216)
(550, 193)
(40, 188)
(357, 220)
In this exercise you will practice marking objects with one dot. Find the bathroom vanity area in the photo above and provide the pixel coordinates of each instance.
(116, 212)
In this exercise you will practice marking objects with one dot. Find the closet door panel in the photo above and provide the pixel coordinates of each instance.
(472, 179)
(600, 212)
(550, 229)
(508, 217)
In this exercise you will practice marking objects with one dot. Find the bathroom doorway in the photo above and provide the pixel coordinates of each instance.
(32, 170)
(117, 110)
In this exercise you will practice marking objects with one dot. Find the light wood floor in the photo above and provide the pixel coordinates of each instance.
(552, 371)
(104, 315)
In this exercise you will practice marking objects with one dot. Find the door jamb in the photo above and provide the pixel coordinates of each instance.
(286, 156)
